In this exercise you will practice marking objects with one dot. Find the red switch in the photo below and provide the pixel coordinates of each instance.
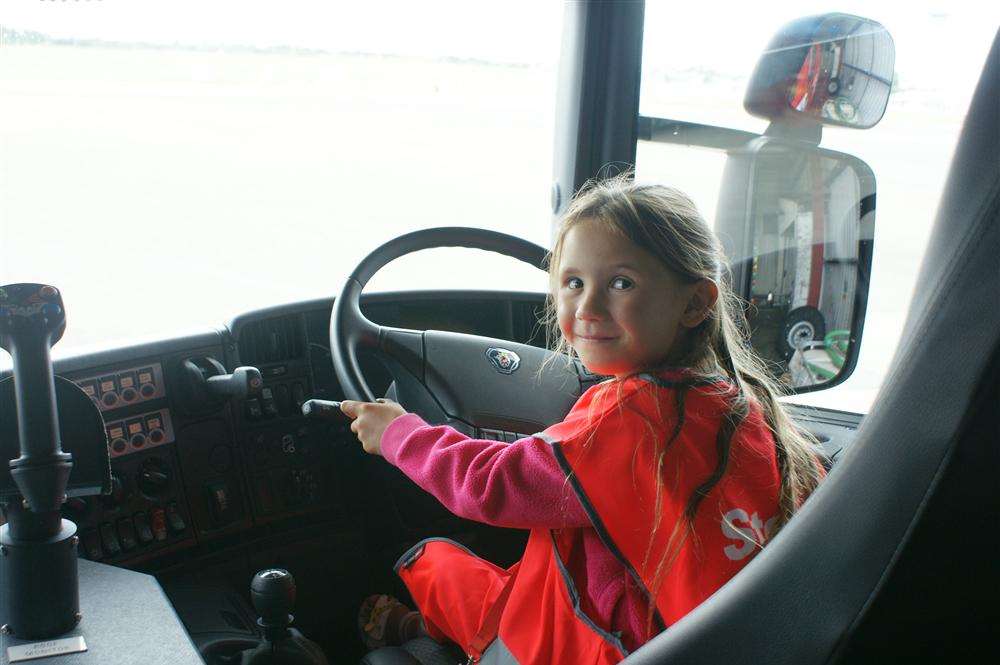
(158, 521)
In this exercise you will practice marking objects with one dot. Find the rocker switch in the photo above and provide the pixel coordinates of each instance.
(158, 521)
(126, 534)
(142, 529)
(220, 502)
(92, 545)
(253, 410)
(110, 540)
(174, 519)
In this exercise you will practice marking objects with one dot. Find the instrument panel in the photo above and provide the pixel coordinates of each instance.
(184, 474)
(189, 473)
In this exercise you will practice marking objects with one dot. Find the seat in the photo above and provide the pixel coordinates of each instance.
(419, 651)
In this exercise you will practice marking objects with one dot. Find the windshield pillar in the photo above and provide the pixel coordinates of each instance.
(597, 104)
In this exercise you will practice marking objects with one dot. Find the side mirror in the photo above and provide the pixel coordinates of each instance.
(797, 223)
(832, 69)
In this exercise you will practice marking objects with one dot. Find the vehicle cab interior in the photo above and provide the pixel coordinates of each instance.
(287, 193)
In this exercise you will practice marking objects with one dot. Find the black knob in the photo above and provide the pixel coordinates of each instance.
(273, 594)
(27, 310)
(321, 409)
(243, 382)
(207, 386)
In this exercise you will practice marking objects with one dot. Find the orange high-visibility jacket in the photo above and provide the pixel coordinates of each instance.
(610, 446)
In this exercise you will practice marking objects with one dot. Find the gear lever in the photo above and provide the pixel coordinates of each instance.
(273, 594)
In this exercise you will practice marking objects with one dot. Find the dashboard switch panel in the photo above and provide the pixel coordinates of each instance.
(126, 387)
(146, 430)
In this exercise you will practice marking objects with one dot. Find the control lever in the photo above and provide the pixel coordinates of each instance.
(244, 381)
(208, 384)
(40, 594)
(321, 409)
(32, 320)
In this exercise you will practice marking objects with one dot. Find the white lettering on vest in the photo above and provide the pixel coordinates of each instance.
(748, 532)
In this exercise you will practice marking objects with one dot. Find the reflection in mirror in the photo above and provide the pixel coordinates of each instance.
(846, 74)
(832, 69)
(808, 239)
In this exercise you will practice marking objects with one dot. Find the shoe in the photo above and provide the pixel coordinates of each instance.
(379, 620)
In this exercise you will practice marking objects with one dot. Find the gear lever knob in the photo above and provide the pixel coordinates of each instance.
(273, 594)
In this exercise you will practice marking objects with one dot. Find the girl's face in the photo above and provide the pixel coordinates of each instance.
(617, 305)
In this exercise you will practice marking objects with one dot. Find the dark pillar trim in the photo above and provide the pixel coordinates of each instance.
(597, 108)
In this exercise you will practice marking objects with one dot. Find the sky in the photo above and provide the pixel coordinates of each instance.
(517, 31)
(513, 31)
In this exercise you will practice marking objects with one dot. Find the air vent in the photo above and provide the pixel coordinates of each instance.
(272, 340)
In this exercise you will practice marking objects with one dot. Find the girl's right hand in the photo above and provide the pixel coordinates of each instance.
(371, 420)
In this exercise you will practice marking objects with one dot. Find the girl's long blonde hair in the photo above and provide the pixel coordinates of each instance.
(666, 223)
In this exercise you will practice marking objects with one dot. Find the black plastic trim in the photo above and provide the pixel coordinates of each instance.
(86, 359)
(597, 103)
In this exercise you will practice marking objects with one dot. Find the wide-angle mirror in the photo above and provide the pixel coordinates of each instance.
(836, 69)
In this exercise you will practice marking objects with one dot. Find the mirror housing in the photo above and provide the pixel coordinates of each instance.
(830, 69)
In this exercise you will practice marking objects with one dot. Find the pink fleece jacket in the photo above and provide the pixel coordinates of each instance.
(518, 485)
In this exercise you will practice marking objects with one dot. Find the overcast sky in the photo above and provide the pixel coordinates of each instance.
(519, 31)
(525, 31)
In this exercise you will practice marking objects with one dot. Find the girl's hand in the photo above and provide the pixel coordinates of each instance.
(370, 421)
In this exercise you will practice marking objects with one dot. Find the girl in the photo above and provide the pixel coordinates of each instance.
(657, 488)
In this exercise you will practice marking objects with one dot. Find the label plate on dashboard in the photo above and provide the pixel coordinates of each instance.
(45, 649)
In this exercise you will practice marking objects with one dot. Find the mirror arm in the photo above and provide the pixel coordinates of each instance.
(793, 129)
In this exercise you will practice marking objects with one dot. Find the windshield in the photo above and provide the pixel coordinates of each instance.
(169, 165)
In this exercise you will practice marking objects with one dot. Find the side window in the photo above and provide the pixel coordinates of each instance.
(694, 81)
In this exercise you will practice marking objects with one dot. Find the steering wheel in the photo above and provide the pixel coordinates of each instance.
(466, 381)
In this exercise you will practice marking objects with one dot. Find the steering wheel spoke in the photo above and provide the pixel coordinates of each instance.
(405, 346)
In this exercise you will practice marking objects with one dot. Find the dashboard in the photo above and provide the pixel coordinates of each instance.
(187, 472)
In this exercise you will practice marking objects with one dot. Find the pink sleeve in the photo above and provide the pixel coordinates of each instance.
(516, 484)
